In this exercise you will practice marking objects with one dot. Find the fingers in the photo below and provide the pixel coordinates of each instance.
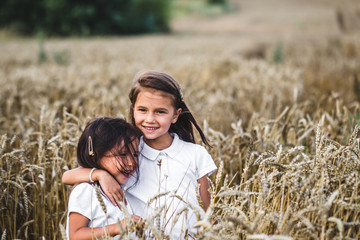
(136, 218)
(119, 196)
(110, 197)
(123, 197)
(115, 196)
(111, 188)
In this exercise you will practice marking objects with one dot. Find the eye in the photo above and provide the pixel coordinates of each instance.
(141, 110)
(161, 112)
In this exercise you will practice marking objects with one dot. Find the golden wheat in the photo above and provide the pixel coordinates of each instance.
(285, 137)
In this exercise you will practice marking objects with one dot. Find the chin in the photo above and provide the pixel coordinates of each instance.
(122, 181)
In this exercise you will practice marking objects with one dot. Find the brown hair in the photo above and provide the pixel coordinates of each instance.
(165, 83)
(105, 134)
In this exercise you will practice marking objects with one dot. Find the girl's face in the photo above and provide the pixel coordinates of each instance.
(121, 166)
(154, 113)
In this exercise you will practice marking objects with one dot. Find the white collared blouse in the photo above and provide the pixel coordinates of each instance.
(83, 200)
(168, 185)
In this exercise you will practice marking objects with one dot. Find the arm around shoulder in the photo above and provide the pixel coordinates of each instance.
(109, 185)
(76, 176)
(80, 175)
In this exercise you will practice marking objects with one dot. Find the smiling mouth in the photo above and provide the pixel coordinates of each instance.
(150, 128)
(127, 175)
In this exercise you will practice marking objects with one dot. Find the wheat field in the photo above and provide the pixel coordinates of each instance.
(284, 132)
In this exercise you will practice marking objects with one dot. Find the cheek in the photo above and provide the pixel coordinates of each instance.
(109, 165)
(137, 120)
(136, 116)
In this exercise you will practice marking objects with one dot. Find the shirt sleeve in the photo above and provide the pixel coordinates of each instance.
(204, 163)
(80, 200)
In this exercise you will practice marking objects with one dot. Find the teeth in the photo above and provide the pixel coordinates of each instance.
(150, 128)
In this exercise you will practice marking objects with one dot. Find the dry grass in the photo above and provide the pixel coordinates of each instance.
(285, 135)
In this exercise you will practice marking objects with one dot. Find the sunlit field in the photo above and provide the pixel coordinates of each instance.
(282, 118)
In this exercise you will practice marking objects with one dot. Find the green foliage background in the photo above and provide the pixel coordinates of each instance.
(84, 18)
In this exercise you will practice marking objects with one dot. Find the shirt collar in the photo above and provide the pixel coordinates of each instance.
(152, 154)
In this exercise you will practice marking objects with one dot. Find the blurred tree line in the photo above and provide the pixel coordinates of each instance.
(84, 17)
(216, 1)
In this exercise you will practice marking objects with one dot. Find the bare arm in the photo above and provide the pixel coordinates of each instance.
(78, 227)
(77, 175)
(204, 191)
(109, 185)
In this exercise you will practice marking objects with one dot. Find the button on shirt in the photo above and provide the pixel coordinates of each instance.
(168, 182)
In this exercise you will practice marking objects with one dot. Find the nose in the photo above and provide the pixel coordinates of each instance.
(150, 118)
(129, 163)
(128, 167)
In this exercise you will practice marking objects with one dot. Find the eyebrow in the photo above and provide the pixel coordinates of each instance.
(139, 106)
(115, 154)
(163, 109)
(160, 108)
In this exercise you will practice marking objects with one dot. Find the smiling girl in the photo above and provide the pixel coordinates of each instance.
(110, 144)
(171, 165)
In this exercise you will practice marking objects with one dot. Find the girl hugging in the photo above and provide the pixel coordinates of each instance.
(110, 144)
(171, 165)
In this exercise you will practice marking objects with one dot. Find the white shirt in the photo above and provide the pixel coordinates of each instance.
(175, 171)
(83, 200)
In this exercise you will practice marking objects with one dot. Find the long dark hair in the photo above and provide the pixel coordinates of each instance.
(105, 134)
(165, 83)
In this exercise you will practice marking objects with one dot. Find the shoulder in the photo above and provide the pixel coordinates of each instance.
(199, 158)
(81, 190)
(195, 152)
(80, 197)
(191, 151)
(83, 186)
(204, 162)
(194, 148)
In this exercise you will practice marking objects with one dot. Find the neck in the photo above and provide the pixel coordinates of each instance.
(160, 143)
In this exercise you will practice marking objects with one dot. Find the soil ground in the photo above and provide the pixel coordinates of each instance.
(270, 21)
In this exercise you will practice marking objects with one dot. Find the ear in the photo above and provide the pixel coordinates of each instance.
(176, 115)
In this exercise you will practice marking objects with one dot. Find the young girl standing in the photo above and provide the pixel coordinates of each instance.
(170, 163)
(110, 144)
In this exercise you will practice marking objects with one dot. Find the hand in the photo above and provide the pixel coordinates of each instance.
(110, 187)
(139, 226)
(134, 218)
(136, 225)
